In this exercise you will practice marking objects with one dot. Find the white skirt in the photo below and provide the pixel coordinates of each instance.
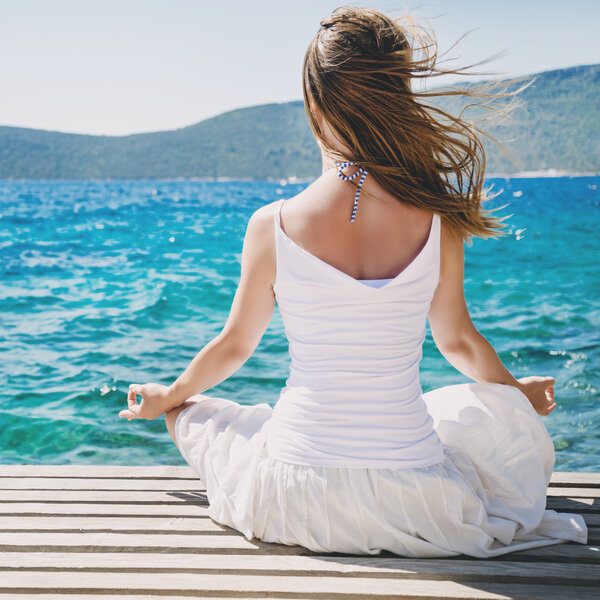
(486, 498)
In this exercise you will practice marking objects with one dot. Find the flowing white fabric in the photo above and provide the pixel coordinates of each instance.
(354, 458)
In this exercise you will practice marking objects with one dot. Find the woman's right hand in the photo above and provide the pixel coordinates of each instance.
(540, 393)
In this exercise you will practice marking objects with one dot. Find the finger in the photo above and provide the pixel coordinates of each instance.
(131, 398)
(136, 388)
(128, 414)
(134, 411)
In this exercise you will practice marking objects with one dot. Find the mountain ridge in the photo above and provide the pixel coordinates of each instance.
(558, 129)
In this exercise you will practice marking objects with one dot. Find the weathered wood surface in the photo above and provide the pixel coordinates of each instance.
(121, 532)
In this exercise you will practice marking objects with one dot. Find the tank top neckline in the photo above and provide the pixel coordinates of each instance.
(362, 282)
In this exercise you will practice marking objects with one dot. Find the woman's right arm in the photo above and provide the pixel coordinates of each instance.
(459, 341)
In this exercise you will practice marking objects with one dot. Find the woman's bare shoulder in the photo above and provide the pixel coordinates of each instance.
(258, 253)
(261, 220)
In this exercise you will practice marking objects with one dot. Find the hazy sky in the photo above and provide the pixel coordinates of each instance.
(126, 66)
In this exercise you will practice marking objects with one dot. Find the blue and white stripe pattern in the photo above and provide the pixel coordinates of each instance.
(360, 171)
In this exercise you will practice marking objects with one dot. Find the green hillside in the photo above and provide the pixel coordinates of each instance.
(558, 128)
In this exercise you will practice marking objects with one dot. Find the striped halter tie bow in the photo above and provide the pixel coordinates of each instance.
(360, 171)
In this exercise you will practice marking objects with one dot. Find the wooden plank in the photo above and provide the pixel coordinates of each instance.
(583, 506)
(571, 479)
(104, 496)
(84, 596)
(587, 503)
(98, 541)
(574, 492)
(179, 497)
(568, 552)
(113, 483)
(99, 471)
(174, 511)
(574, 479)
(70, 524)
(141, 525)
(64, 483)
(573, 505)
(591, 519)
(291, 587)
(161, 596)
(314, 566)
(124, 542)
(98, 509)
(200, 510)
(564, 504)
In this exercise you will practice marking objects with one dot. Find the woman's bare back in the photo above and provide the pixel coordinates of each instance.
(383, 240)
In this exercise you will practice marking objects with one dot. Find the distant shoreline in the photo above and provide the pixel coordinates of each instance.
(542, 174)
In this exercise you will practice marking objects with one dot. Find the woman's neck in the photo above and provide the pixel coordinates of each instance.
(327, 161)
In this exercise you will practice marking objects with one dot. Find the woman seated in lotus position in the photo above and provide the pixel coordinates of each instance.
(354, 457)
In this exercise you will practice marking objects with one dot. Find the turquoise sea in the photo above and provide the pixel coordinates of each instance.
(107, 283)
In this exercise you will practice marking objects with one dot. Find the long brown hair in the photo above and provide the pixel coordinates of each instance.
(358, 69)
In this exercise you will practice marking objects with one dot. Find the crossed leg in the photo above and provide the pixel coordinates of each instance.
(171, 415)
(213, 405)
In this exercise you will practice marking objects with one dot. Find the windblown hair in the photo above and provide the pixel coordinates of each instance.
(358, 70)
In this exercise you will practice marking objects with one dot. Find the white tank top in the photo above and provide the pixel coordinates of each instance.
(353, 396)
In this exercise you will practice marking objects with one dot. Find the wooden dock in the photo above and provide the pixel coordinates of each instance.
(111, 532)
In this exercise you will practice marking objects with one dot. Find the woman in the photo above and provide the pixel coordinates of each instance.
(354, 457)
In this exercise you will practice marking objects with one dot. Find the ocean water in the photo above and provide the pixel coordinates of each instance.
(103, 284)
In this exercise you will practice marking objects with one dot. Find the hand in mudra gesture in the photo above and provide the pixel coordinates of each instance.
(155, 401)
(540, 393)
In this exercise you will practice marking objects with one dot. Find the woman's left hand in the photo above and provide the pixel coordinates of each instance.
(155, 401)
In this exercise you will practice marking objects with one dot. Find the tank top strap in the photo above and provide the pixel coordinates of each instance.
(278, 213)
(280, 241)
(436, 227)
(433, 246)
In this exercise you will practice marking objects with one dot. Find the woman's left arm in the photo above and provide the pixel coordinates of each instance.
(249, 317)
(459, 341)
